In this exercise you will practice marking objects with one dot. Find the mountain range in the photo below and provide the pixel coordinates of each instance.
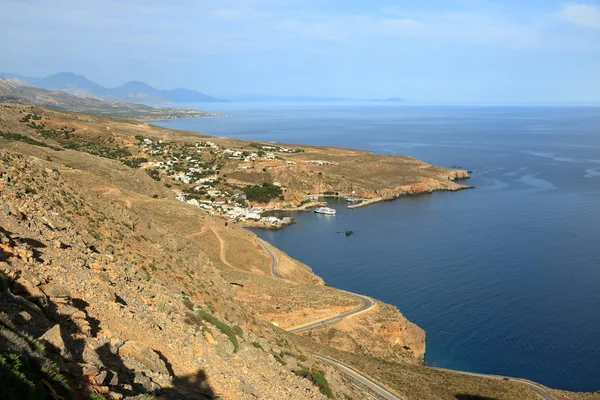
(140, 92)
(135, 91)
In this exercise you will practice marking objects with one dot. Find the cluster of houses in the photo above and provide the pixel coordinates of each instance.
(320, 162)
(277, 149)
(199, 165)
(235, 213)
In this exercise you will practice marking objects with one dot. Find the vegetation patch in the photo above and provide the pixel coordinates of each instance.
(279, 358)
(21, 377)
(224, 328)
(25, 139)
(257, 345)
(262, 194)
(317, 377)
(135, 162)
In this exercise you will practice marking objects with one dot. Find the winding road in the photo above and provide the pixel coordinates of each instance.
(366, 304)
(376, 387)
(274, 259)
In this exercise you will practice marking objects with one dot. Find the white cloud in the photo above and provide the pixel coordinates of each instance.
(581, 14)
(245, 26)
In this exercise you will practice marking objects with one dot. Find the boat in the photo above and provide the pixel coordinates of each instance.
(325, 210)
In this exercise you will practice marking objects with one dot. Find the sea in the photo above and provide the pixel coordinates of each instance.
(504, 278)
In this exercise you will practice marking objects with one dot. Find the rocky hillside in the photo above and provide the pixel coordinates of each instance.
(111, 287)
(100, 299)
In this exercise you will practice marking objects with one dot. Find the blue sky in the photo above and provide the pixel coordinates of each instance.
(453, 50)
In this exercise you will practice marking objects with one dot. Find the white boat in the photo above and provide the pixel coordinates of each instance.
(325, 210)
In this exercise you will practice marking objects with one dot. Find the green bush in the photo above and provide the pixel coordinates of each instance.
(257, 345)
(135, 162)
(317, 377)
(154, 174)
(22, 378)
(262, 194)
(224, 328)
(279, 358)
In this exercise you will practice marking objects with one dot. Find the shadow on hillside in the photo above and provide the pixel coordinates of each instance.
(72, 358)
(473, 397)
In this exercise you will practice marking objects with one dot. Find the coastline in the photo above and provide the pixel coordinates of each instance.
(404, 191)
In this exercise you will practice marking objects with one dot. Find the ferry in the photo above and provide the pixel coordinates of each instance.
(325, 210)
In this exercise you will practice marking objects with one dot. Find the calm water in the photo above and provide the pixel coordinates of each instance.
(505, 278)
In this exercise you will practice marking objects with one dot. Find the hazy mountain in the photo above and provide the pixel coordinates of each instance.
(18, 91)
(131, 91)
(73, 83)
(30, 79)
(140, 91)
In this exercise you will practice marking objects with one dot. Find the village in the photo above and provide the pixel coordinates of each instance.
(197, 169)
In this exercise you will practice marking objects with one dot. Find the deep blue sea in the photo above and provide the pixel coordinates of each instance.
(505, 278)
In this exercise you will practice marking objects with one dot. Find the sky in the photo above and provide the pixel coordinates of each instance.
(487, 51)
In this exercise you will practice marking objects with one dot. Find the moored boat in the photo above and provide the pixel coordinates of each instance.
(325, 210)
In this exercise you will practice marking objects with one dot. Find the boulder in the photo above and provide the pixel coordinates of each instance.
(100, 378)
(54, 337)
(54, 290)
(144, 355)
(13, 210)
(53, 224)
(90, 356)
(210, 338)
(24, 287)
(144, 382)
(225, 347)
(70, 311)
(89, 369)
(22, 318)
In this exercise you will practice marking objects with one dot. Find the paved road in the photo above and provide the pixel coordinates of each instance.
(274, 259)
(376, 387)
(367, 303)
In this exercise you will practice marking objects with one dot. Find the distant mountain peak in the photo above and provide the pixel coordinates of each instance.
(134, 91)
